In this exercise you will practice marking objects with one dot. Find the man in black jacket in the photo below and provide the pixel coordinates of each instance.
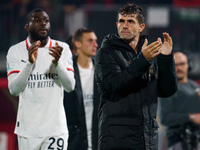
(131, 75)
(81, 105)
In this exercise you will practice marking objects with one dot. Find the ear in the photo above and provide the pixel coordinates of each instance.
(77, 44)
(26, 27)
(141, 28)
(116, 23)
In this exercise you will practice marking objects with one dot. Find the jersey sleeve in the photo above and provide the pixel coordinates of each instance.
(12, 62)
(17, 78)
(65, 69)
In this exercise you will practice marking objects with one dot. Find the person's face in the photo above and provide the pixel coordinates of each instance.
(129, 27)
(181, 64)
(38, 26)
(88, 45)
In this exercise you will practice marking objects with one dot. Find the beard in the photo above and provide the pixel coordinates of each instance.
(127, 38)
(35, 36)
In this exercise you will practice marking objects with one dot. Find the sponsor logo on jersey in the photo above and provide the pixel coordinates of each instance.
(46, 80)
(44, 76)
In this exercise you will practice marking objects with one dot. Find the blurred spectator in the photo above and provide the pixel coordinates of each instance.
(5, 24)
(180, 113)
(81, 105)
(74, 18)
(22, 7)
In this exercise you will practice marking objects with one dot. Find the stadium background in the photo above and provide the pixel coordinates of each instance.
(180, 18)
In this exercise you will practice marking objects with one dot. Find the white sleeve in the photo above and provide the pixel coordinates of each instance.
(17, 81)
(66, 77)
(65, 69)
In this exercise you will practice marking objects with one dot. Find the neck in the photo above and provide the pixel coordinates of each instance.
(84, 61)
(183, 80)
(134, 43)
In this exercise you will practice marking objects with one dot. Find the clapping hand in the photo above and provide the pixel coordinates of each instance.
(157, 47)
(56, 52)
(152, 50)
(166, 48)
(195, 118)
(33, 51)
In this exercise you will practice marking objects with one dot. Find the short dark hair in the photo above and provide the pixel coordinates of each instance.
(29, 16)
(132, 8)
(79, 33)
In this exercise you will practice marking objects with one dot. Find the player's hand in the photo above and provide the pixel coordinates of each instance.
(167, 45)
(56, 52)
(152, 50)
(33, 51)
(195, 118)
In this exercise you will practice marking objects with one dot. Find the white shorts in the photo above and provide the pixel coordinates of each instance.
(44, 143)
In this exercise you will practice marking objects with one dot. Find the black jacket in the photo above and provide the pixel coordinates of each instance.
(75, 113)
(129, 87)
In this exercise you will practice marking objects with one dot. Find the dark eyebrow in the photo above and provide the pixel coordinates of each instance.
(120, 20)
(131, 20)
(37, 17)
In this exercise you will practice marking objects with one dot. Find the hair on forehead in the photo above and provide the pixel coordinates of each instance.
(181, 51)
(132, 8)
(29, 16)
(79, 33)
